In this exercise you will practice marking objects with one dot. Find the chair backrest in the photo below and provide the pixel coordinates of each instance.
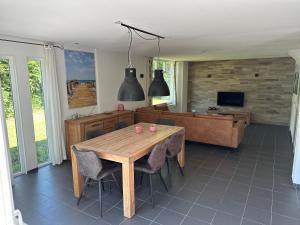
(94, 133)
(157, 156)
(89, 164)
(121, 125)
(168, 122)
(174, 144)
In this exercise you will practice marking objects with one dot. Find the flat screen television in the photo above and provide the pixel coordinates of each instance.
(231, 98)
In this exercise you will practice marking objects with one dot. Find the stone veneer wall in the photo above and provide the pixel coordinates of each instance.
(267, 84)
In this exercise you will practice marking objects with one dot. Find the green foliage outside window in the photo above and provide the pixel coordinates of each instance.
(35, 85)
(6, 88)
(37, 98)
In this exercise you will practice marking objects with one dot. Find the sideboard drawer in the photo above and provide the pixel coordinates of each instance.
(109, 123)
(94, 125)
(126, 118)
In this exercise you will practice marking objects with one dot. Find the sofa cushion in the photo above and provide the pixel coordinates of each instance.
(147, 108)
(215, 116)
(178, 113)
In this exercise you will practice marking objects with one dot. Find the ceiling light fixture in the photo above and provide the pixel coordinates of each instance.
(158, 86)
(130, 89)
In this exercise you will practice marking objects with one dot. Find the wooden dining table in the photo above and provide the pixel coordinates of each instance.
(125, 146)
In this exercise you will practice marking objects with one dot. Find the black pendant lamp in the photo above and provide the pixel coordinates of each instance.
(130, 89)
(158, 86)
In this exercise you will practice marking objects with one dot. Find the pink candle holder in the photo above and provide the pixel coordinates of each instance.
(138, 129)
(152, 128)
(120, 107)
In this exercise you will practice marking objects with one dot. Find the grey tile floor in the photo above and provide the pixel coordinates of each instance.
(248, 186)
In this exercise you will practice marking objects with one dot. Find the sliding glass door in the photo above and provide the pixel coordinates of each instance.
(38, 110)
(33, 151)
(9, 110)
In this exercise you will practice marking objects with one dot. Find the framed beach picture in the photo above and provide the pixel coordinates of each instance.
(81, 78)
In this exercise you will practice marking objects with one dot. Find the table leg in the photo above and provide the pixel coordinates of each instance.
(77, 178)
(181, 155)
(128, 189)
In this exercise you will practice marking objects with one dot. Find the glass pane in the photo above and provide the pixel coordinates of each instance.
(9, 111)
(37, 100)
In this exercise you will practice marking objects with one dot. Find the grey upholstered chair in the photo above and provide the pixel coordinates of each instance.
(92, 169)
(168, 122)
(94, 133)
(153, 165)
(174, 144)
(121, 125)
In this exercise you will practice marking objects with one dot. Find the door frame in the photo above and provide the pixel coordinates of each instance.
(17, 113)
(6, 194)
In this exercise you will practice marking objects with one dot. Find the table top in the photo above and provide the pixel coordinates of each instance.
(125, 145)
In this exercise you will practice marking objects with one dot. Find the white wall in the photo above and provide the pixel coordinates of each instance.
(111, 73)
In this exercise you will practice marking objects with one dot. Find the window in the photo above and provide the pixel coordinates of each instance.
(38, 110)
(168, 68)
(8, 95)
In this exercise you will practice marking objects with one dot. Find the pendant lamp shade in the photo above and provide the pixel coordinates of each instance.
(159, 86)
(130, 89)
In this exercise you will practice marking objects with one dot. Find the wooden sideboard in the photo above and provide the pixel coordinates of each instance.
(76, 129)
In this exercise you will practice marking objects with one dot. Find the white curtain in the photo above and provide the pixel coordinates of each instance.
(55, 134)
(173, 91)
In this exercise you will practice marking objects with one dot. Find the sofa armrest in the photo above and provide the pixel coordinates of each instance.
(238, 133)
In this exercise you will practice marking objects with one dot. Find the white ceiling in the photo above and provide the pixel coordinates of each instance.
(194, 29)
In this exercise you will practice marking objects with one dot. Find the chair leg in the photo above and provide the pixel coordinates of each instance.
(180, 169)
(168, 165)
(109, 187)
(102, 185)
(116, 181)
(141, 180)
(100, 196)
(151, 190)
(84, 187)
(163, 181)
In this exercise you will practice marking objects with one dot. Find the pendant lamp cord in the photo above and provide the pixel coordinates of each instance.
(141, 36)
(158, 44)
(130, 44)
(129, 49)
